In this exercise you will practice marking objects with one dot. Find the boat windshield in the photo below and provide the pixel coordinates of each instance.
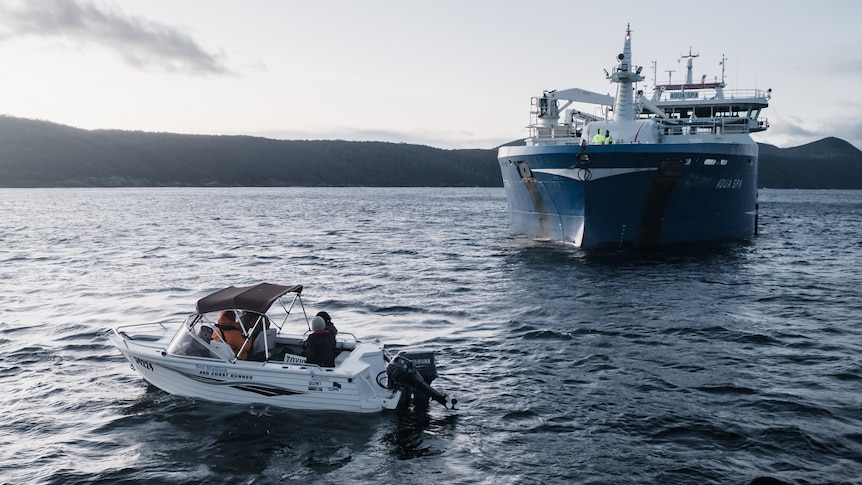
(193, 338)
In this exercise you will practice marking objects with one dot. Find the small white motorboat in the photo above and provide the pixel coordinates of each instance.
(187, 361)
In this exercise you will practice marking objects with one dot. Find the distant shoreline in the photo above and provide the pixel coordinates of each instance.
(41, 154)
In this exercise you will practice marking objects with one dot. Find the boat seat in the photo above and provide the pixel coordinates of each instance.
(341, 357)
(197, 349)
(222, 350)
(345, 344)
(205, 333)
(261, 344)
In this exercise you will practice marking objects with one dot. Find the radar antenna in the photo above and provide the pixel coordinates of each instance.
(689, 65)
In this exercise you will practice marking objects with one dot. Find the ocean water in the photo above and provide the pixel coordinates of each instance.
(728, 364)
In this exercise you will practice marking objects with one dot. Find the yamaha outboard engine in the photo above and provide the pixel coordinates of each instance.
(413, 373)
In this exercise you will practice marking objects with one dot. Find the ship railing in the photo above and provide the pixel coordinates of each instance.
(557, 131)
(705, 127)
(700, 129)
(708, 94)
(715, 126)
(762, 124)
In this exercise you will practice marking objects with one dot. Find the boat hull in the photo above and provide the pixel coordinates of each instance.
(632, 194)
(351, 387)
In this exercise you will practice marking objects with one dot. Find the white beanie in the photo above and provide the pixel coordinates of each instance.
(317, 323)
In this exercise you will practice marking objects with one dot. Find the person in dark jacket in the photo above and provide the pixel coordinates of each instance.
(319, 348)
(329, 325)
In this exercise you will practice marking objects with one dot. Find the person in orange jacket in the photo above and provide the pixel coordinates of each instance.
(228, 331)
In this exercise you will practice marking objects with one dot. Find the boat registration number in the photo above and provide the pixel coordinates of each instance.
(143, 363)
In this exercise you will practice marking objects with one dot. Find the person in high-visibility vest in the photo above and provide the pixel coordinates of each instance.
(598, 139)
(608, 139)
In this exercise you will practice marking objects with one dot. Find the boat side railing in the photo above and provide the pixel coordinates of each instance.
(122, 332)
(123, 329)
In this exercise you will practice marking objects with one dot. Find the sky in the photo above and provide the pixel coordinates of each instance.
(448, 73)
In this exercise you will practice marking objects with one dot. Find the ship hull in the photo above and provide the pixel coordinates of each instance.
(632, 194)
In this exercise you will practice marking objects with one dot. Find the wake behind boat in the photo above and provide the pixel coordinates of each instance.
(188, 361)
(678, 167)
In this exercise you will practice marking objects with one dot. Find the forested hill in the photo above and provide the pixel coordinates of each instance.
(44, 154)
(830, 163)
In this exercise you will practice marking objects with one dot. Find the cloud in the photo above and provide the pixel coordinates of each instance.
(793, 131)
(794, 127)
(850, 130)
(141, 43)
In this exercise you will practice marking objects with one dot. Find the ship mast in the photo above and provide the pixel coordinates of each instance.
(689, 66)
(625, 75)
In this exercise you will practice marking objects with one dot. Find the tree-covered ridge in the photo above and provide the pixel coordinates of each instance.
(44, 154)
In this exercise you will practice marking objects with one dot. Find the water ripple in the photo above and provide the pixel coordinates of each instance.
(729, 364)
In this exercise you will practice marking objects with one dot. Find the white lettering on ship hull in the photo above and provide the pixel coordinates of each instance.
(728, 184)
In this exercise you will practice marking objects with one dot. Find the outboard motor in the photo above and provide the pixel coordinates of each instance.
(413, 372)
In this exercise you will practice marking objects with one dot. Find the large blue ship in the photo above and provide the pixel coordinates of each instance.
(679, 166)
